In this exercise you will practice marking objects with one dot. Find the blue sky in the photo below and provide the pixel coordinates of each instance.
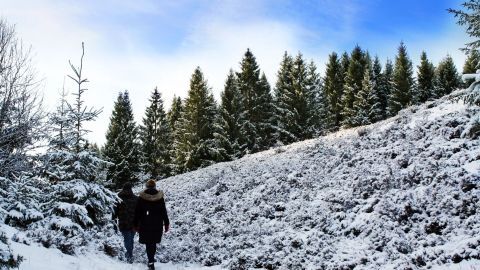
(137, 45)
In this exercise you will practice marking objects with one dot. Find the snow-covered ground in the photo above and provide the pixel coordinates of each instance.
(399, 194)
(36, 257)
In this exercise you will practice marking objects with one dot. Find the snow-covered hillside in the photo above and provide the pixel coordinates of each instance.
(399, 194)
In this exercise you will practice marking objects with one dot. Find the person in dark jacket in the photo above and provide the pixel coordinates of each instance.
(150, 219)
(125, 212)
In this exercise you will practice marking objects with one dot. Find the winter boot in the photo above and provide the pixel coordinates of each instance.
(151, 266)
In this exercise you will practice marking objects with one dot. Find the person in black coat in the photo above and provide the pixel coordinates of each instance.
(125, 212)
(150, 219)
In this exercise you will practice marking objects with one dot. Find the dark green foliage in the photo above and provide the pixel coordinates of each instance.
(156, 138)
(446, 77)
(361, 104)
(317, 102)
(258, 127)
(387, 87)
(175, 112)
(195, 144)
(333, 87)
(353, 84)
(425, 80)
(295, 99)
(378, 96)
(121, 147)
(403, 83)
(230, 117)
(471, 66)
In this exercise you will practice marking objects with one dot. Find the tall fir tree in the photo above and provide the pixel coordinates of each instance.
(425, 80)
(403, 83)
(295, 102)
(195, 143)
(333, 87)
(353, 85)
(257, 125)
(361, 103)
(156, 138)
(230, 117)
(446, 77)
(121, 146)
(387, 87)
(173, 116)
(471, 66)
(283, 85)
(317, 102)
(377, 110)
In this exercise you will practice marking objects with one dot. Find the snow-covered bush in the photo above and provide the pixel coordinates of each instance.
(7, 259)
(20, 202)
(71, 209)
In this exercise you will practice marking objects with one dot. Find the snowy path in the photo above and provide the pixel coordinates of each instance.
(37, 257)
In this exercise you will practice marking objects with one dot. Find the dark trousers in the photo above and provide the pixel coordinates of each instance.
(151, 249)
(128, 242)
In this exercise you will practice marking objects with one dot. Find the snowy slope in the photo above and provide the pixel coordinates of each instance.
(398, 194)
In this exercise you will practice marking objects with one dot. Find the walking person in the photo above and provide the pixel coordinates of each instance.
(125, 212)
(150, 219)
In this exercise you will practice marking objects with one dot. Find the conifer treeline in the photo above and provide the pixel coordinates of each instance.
(197, 132)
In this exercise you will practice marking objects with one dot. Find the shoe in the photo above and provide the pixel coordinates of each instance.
(151, 266)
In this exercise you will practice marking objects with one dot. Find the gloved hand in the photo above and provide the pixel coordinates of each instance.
(167, 228)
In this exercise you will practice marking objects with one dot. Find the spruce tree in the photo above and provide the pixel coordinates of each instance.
(403, 83)
(230, 117)
(317, 102)
(469, 18)
(353, 85)
(195, 144)
(257, 125)
(121, 147)
(377, 110)
(471, 66)
(361, 104)
(174, 114)
(425, 79)
(294, 102)
(387, 87)
(156, 137)
(333, 87)
(446, 77)
(283, 86)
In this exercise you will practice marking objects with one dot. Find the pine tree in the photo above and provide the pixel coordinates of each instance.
(230, 117)
(353, 84)
(317, 102)
(361, 104)
(401, 95)
(257, 125)
(377, 110)
(174, 114)
(471, 66)
(195, 144)
(264, 112)
(121, 147)
(425, 79)
(156, 138)
(446, 77)
(333, 87)
(387, 87)
(283, 85)
(295, 102)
